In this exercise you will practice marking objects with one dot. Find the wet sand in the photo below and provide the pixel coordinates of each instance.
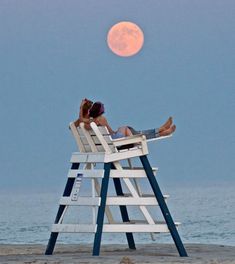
(118, 254)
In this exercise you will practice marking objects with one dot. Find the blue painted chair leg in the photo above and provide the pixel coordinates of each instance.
(51, 243)
(124, 213)
(163, 207)
(67, 192)
(101, 210)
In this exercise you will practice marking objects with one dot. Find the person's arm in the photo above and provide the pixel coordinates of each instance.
(102, 121)
(77, 122)
(81, 118)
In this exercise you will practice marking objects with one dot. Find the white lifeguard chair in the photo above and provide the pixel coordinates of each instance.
(97, 147)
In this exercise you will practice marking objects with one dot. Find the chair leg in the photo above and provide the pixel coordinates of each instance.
(165, 211)
(124, 213)
(101, 210)
(67, 192)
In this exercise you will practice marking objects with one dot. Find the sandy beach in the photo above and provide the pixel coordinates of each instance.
(118, 254)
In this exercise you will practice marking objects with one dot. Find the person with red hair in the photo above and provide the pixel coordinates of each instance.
(86, 104)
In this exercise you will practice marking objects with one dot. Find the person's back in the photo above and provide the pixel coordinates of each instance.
(96, 114)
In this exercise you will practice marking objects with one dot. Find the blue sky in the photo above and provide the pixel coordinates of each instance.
(54, 53)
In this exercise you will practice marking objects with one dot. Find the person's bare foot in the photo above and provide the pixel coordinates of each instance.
(168, 131)
(166, 125)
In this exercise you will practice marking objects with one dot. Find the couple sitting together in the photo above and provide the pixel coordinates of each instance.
(93, 112)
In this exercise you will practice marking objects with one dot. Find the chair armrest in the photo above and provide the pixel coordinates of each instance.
(129, 140)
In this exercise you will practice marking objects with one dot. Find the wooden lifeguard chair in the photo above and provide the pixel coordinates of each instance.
(97, 147)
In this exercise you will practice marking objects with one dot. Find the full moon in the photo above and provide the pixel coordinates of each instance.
(125, 39)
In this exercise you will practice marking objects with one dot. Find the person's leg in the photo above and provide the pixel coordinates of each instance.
(133, 131)
(149, 133)
(168, 131)
(125, 131)
(167, 125)
(154, 132)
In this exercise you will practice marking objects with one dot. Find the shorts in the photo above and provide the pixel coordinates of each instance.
(117, 135)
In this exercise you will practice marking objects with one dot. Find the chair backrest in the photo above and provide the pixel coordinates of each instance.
(97, 139)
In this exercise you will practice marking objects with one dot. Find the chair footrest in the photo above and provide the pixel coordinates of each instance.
(136, 228)
(142, 221)
(73, 228)
(127, 227)
(145, 195)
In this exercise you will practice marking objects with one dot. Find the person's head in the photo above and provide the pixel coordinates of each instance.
(87, 105)
(96, 110)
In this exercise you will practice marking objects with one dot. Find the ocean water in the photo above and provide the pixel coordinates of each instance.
(207, 215)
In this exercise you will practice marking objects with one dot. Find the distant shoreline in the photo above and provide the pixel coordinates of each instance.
(115, 253)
